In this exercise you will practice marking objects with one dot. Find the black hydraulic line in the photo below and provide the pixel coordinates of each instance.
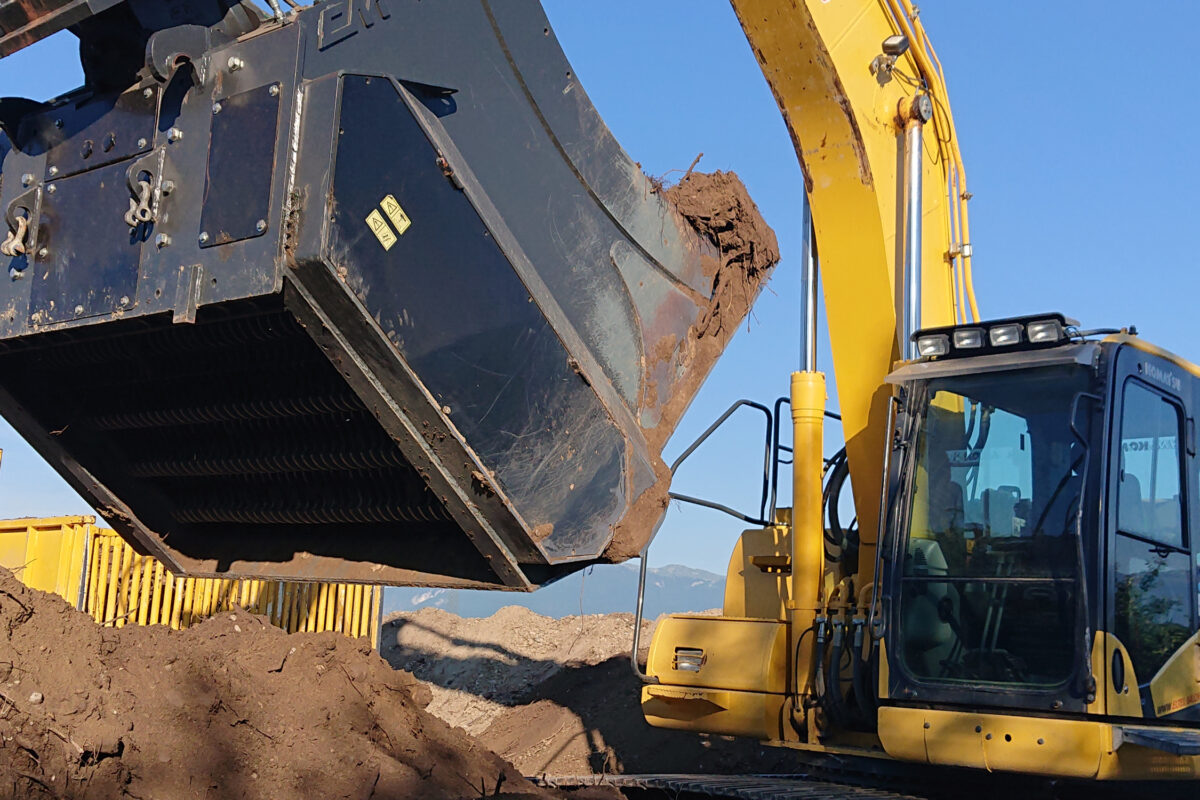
(863, 696)
(819, 659)
(985, 429)
(776, 449)
(838, 472)
(1062, 484)
(834, 702)
(795, 687)
(683, 498)
(971, 422)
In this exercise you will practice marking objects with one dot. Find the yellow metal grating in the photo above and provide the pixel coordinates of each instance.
(99, 573)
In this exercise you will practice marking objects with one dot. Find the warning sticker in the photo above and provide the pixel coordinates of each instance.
(383, 231)
(396, 214)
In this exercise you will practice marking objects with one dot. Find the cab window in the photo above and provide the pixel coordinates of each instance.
(1148, 504)
(1152, 568)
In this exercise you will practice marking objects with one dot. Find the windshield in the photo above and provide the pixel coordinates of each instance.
(990, 562)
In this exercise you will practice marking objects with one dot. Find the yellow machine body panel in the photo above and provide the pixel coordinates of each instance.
(1069, 748)
(1114, 701)
(752, 715)
(1177, 685)
(721, 653)
(719, 675)
(757, 581)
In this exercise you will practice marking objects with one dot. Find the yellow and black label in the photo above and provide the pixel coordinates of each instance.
(379, 226)
(383, 232)
(396, 214)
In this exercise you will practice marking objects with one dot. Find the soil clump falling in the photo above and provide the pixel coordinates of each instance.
(744, 251)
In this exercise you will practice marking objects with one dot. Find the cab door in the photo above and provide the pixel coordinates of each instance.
(1151, 589)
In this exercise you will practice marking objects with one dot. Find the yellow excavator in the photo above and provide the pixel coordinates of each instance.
(367, 291)
(1018, 592)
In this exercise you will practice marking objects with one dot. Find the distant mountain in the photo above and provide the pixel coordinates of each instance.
(603, 589)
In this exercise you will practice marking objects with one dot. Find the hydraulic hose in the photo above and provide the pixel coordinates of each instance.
(863, 697)
(834, 702)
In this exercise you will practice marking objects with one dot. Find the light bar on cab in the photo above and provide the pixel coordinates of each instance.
(1001, 335)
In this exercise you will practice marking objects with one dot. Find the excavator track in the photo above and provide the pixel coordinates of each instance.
(741, 787)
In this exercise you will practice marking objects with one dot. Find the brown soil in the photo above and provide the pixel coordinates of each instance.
(232, 708)
(718, 207)
(555, 696)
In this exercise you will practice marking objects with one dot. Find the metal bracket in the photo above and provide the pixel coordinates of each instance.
(187, 293)
(146, 196)
(31, 203)
(172, 49)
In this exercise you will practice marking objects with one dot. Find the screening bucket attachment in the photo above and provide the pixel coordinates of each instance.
(364, 292)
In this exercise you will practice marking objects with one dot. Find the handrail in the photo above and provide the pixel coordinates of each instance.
(637, 623)
(771, 462)
(767, 452)
(768, 473)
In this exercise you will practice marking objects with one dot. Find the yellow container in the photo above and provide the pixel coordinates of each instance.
(49, 554)
(95, 570)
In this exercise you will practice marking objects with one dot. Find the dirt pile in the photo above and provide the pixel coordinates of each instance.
(554, 696)
(232, 708)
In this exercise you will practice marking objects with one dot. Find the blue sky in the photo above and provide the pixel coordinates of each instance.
(1076, 121)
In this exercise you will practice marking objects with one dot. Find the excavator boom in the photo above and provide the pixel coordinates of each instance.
(842, 97)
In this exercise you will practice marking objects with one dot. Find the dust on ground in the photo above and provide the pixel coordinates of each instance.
(555, 696)
(231, 708)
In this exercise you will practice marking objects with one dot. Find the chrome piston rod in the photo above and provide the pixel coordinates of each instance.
(918, 112)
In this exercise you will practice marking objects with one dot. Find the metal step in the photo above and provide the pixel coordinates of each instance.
(1175, 742)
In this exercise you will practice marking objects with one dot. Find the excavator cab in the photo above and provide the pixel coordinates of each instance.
(1035, 605)
(1040, 553)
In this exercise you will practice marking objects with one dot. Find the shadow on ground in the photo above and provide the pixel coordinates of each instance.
(550, 717)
